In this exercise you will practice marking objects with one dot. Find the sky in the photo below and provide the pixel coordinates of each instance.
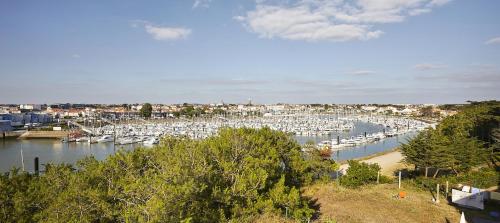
(267, 51)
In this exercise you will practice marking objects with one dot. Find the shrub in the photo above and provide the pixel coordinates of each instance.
(235, 176)
(482, 178)
(360, 174)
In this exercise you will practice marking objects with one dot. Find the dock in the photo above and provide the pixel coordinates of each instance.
(44, 135)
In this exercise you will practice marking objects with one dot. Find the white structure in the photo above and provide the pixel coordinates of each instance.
(30, 107)
(468, 198)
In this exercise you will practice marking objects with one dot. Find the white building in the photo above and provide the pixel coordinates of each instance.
(30, 107)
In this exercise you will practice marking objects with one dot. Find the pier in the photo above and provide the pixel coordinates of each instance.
(44, 135)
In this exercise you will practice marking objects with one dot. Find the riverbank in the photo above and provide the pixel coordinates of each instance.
(389, 161)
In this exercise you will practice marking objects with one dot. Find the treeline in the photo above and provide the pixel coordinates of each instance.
(461, 142)
(237, 176)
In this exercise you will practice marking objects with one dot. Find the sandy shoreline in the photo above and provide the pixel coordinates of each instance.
(389, 162)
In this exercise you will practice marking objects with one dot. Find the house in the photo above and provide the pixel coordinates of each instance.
(31, 107)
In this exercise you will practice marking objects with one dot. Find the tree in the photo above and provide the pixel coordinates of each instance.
(235, 176)
(460, 142)
(427, 111)
(146, 110)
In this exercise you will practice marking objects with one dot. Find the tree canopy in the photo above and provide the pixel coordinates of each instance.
(146, 110)
(235, 176)
(459, 142)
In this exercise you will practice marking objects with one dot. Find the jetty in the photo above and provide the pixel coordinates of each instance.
(44, 135)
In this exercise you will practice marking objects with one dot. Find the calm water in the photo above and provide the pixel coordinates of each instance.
(361, 150)
(57, 152)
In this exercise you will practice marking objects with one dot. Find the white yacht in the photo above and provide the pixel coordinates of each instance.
(105, 138)
(82, 139)
(124, 141)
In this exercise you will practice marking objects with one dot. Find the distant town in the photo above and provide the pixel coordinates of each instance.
(20, 116)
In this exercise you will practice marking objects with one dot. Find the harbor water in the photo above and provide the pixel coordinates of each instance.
(55, 151)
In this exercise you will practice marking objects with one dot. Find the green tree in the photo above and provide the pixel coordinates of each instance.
(359, 174)
(235, 176)
(460, 142)
(146, 110)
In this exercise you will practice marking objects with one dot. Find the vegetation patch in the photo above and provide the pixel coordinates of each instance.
(240, 175)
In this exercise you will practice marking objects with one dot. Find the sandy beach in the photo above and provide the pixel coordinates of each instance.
(389, 162)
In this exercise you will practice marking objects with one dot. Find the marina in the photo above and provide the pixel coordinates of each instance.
(348, 137)
(296, 124)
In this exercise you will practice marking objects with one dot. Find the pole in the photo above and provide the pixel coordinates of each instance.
(36, 166)
(437, 193)
(446, 190)
(378, 176)
(22, 157)
(399, 181)
(114, 134)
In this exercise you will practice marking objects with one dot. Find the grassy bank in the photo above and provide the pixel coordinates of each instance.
(377, 203)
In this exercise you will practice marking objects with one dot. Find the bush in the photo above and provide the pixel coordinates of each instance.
(360, 174)
(482, 178)
(236, 176)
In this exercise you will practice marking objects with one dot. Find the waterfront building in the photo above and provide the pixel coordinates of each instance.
(5, 126)
(31, 107)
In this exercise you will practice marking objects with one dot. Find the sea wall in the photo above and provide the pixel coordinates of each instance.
(44, 134)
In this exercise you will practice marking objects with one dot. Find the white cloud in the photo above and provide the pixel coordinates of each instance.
(201, 3)
(429, 66)
(335, 20)
(76, 56)
(495, 40)
(439, 2)
(415, 12)
(167, 33)
(362, 72)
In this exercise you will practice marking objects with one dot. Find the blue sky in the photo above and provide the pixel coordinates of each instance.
(305, 51)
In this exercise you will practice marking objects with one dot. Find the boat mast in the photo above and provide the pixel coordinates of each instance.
(22, 157)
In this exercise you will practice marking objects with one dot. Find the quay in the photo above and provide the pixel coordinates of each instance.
(44, 135)
(11, 134)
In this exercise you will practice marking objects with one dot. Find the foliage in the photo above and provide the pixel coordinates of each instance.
(146, 110)
(189, 111)
(218, 111)
(234, 177)
(482, 178)
(13, 206)
(459, 142)
(359, 174)
(428, 111)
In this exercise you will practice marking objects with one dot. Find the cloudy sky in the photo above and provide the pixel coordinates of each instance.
(302, 51)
